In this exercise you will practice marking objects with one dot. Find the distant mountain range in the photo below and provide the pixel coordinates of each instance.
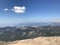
(40, 24)
(34, 24)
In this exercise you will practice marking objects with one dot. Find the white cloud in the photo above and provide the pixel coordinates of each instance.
(18, 9)
(6, 9)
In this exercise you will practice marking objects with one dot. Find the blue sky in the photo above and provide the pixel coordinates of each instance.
(23, 11)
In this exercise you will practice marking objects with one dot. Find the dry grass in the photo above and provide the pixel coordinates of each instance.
(37, 41)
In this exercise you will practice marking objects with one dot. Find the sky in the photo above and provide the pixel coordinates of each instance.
(25, 11)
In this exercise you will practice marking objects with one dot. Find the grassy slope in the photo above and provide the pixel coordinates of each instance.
(37, 41)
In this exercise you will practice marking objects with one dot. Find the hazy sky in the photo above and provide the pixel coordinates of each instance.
(21, 11)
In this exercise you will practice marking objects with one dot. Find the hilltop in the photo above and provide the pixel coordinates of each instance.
(35, 41)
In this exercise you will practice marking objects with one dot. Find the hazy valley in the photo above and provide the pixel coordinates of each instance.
(30, 35)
